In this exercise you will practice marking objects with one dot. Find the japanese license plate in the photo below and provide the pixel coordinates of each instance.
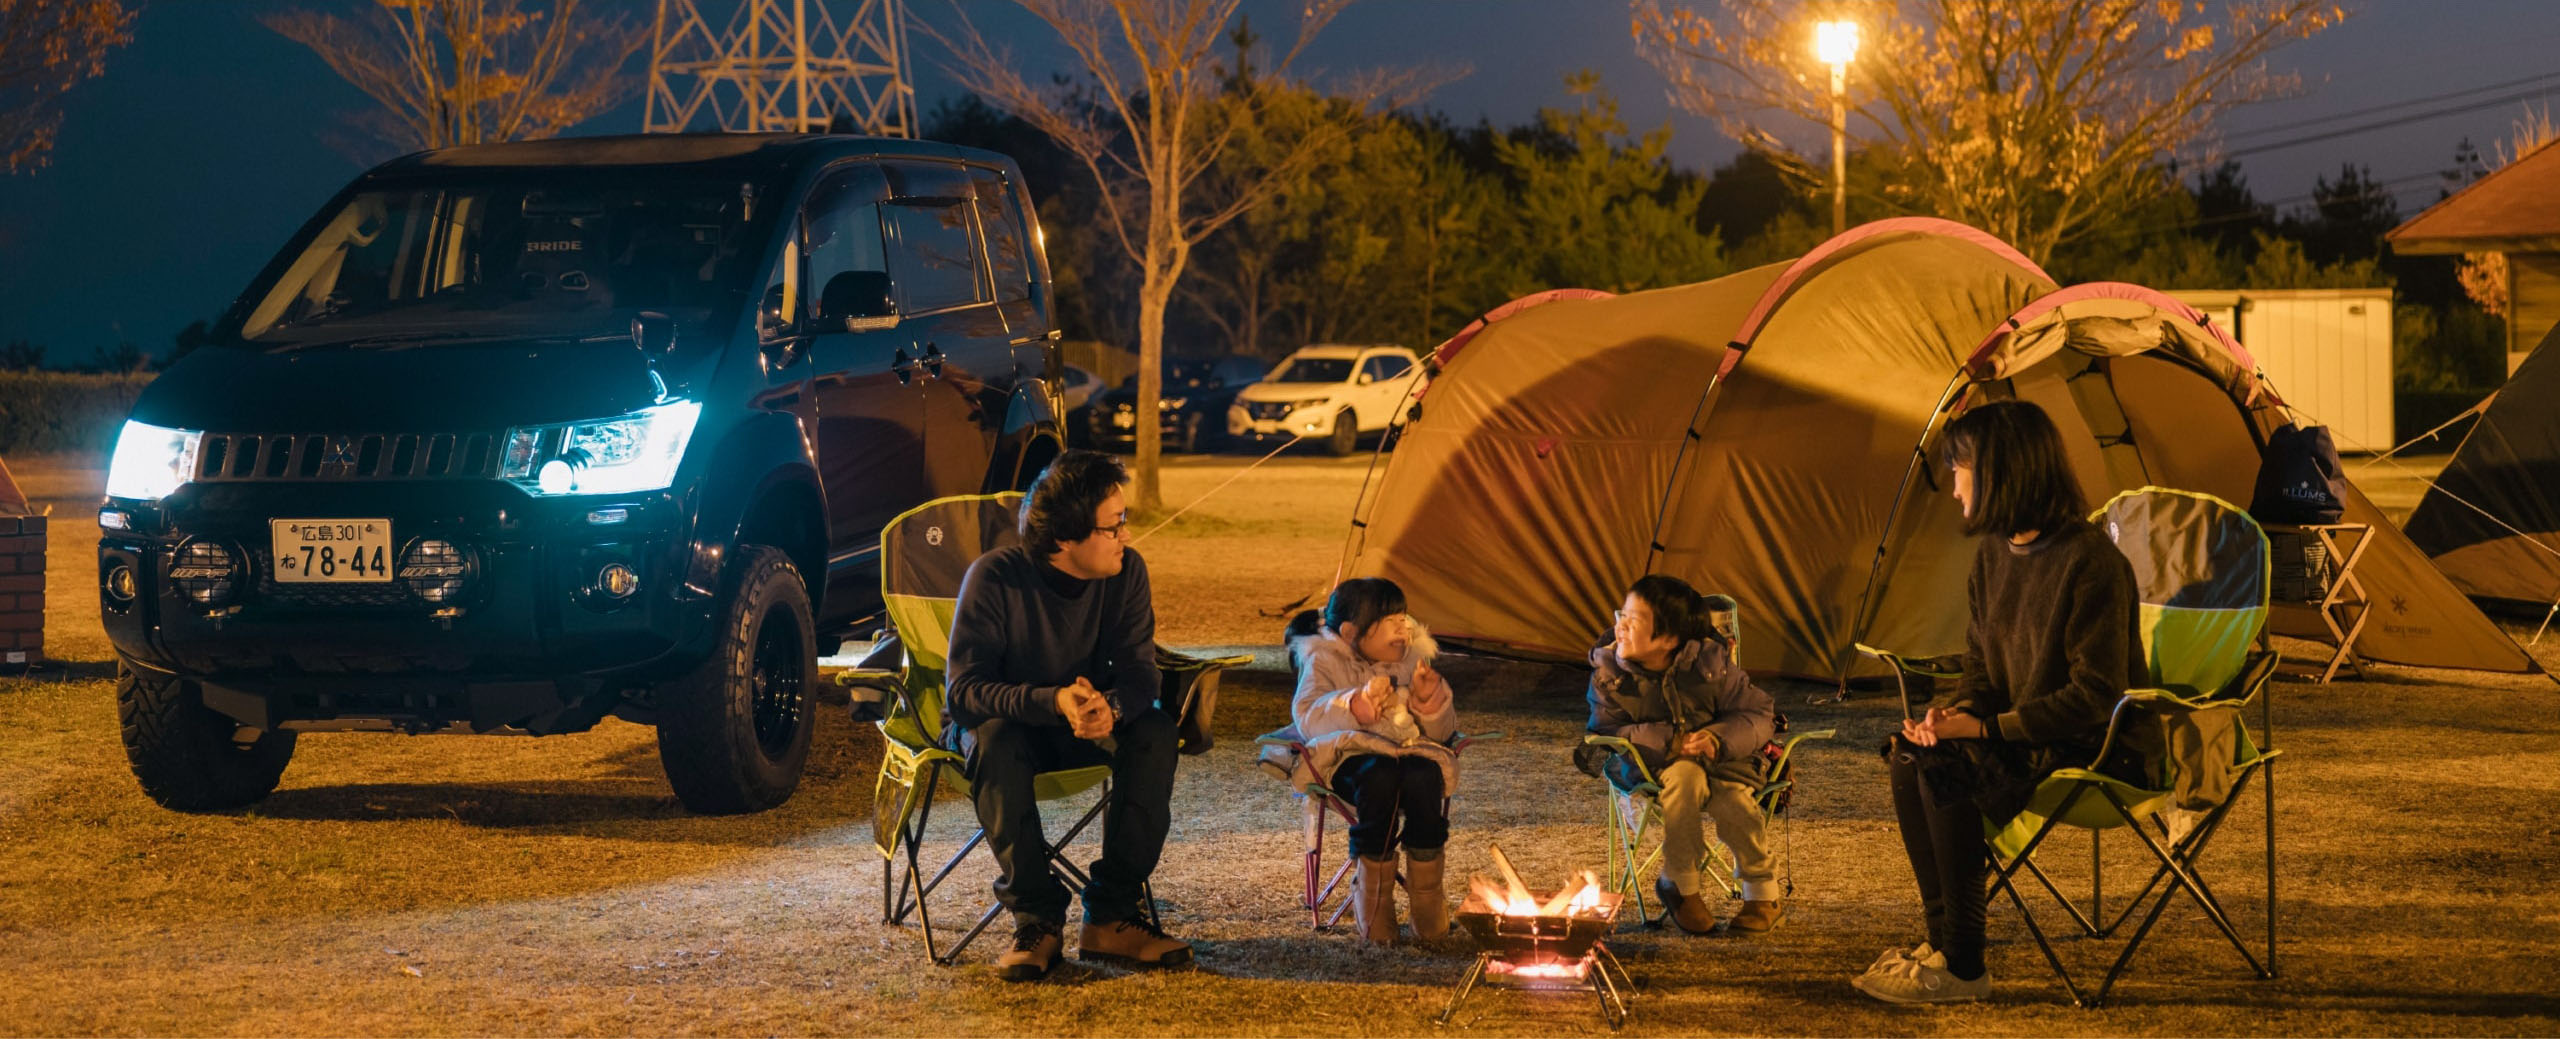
(331, 550)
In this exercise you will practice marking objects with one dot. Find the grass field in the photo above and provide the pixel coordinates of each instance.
(444, 885)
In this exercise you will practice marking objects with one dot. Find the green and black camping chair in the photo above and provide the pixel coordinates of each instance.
(2201, 565)
(924, 553)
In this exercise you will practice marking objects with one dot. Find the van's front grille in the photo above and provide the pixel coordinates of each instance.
(1268, 409)
(258, 457)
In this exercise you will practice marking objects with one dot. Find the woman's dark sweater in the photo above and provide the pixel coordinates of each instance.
(2055, 637)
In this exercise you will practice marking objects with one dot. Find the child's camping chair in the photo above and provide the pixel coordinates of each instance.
(924, 553)
(2201, 566)
(1634, 812)
(1284, 755)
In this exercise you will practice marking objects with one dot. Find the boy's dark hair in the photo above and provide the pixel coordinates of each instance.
(1363, 601)
(1064, 497)
(1678, 610)
(2021, 477)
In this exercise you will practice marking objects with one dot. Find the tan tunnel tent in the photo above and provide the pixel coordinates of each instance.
(1767, 435)
(2491, 520)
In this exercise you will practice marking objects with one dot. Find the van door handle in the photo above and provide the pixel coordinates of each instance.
(904, 367)
(933, 360)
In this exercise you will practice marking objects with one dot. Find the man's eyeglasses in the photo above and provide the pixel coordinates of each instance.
(1117, 530)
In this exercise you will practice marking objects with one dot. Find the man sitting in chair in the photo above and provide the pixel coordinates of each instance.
(1053, 667)
(1667, 684)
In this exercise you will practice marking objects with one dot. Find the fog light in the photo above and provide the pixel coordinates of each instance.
(435, 570)
(120, 584)
(205, 572)
(617, 580)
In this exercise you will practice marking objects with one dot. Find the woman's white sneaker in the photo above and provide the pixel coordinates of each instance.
(1923, 981)
(1892, 958)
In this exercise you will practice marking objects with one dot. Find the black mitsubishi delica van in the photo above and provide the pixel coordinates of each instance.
(512, 437)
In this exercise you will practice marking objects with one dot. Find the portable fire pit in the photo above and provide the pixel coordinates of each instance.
(1551, 945)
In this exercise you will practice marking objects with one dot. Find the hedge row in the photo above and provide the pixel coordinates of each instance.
(61, 411)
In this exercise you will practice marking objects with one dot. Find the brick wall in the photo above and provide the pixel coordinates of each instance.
(21, 591)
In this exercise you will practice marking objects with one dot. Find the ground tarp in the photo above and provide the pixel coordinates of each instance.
(1763, 435)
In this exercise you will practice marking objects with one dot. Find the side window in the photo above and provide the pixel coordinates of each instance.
(1373, 370)
(778, 314)
(848, 262)
(1002, 219)
(1391, 366)
(936, 264)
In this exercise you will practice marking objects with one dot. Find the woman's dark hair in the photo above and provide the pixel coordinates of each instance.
(1363, 601)
(1065, 496)
(1678, 610)
(2021, 478)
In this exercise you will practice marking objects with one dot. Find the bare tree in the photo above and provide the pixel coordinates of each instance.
(1145, 121)
(450, 72)
(46, 48)
(2040, 121)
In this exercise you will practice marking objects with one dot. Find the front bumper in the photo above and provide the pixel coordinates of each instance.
(531, 642)
(1313, 423)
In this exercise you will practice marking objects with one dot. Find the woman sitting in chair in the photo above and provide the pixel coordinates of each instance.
(1667, 684)
(1377, 721)
(2051, 643)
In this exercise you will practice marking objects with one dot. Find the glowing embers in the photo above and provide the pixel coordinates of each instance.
(1552, 943)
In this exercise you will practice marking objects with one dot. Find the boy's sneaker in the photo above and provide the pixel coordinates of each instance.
(1892, 958)
(1923, 981)
(1034, 953)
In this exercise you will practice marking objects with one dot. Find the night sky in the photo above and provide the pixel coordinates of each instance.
(182, 169)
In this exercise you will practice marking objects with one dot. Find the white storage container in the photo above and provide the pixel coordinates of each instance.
(2328, 352)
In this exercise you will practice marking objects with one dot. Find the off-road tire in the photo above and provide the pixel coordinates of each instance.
(184, 753)
(728, 745)
(1346, 434)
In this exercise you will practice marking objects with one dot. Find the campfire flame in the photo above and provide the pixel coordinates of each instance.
(1511, 897)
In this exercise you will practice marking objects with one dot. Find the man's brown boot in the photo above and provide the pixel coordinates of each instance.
(1373, 899)
(1034, 953)
(1758, 917)
(1425, 895)
(1688, 912)
(1133, 942)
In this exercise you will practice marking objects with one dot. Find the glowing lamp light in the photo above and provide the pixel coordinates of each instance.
(1836, 42)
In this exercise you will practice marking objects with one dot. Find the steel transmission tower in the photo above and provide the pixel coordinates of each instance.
(781, 65)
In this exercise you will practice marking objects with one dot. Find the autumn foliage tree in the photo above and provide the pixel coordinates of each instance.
(450, 72)
(2040, 121)
(46, 48)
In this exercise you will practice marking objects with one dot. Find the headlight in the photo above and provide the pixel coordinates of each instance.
(1305, 404)
(636, 452)
(1172, 403)
(150, 462)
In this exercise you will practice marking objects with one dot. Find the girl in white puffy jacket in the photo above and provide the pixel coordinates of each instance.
(1377, 720)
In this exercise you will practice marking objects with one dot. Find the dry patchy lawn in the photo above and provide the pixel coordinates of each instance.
(448, 885)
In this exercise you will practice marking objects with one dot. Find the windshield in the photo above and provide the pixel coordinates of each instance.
(573, 252)
(1315, 369)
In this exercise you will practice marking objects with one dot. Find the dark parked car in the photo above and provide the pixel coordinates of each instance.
(1193, 407)
(513, 437)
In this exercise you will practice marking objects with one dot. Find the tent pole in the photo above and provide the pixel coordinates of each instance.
(1884, 540)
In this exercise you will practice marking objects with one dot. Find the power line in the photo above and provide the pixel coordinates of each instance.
(2261, 131)
(2381, 124)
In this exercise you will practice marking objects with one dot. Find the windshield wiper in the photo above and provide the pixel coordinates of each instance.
(382, 339)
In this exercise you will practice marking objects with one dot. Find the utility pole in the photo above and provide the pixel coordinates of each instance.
(788, 66)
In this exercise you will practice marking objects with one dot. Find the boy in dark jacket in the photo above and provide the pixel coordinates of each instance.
(1667, 684)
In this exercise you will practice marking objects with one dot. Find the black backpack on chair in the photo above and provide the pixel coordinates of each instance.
(2300, 480)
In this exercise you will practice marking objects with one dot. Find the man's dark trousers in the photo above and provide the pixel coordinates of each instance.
(1005, 755)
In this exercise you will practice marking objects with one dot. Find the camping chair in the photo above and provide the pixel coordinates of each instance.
(1284, 755)
(1634, 812)
(924, 552)
(2202, 569)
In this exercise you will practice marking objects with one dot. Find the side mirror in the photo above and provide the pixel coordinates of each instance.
(858, 301)
(654, 333)
(1365, 379)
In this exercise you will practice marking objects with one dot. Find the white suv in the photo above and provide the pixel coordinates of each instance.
(1329, 393)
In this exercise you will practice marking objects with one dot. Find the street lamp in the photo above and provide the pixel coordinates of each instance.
(1836, 43)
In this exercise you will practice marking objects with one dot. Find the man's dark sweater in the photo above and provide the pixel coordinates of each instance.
(1023, 629)
(2055, 638)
